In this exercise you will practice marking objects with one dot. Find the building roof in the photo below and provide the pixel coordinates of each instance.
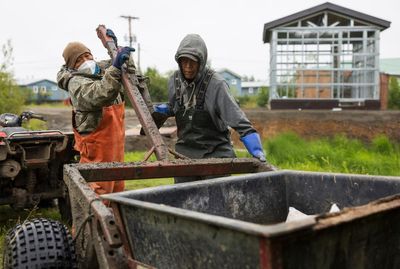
(390, 66)
(226, 70)
(34, 82)
(383, 24)
(254, 84)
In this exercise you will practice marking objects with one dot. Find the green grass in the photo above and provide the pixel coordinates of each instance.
(137, 156)
(35, 125)
(339, 154)
(32, 106)
(248, 102)
(143, 183)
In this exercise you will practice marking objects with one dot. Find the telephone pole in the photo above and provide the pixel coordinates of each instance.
(130, 19)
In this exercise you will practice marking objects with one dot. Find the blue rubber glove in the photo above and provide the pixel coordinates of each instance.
(122, 56)
(162, 108)
(252, 142)
(111, 34)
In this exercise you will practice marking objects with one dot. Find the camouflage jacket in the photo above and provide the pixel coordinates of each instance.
(90, 93)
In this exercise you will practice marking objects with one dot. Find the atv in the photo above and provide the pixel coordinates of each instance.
(31, 164)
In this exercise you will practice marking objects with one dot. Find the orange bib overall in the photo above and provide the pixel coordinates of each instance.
(105, 144)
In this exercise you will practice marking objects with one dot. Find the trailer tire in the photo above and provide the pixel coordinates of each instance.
(39, 243)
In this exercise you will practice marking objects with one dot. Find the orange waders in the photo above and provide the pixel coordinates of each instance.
(105, 144)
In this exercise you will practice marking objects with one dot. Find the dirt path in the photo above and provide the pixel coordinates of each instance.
(59, 118)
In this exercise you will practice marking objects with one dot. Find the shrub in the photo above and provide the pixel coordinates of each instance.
(394, 94)
(242, 100)
(263, 97)
(11, 97)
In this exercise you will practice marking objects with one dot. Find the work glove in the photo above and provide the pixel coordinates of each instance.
(160, 115)
(162, 108)
(253, 145)
(111, 34)
(122, 56)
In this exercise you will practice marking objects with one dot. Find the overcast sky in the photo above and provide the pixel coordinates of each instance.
(232, 29)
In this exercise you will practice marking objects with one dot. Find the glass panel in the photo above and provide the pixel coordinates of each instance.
(323, 63)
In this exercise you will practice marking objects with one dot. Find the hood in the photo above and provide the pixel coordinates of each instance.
(194, 45)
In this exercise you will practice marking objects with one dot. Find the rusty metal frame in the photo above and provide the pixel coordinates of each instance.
(100, 234)
(139, 96)
(96, 233)
(94, 172)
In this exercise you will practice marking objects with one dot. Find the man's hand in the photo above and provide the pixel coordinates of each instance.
(253, 145)
(122, 56)
(111, 34)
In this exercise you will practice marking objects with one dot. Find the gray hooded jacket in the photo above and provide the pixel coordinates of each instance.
(218, 102)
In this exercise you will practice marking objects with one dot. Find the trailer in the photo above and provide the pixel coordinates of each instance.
(239, 222)
(230, 222)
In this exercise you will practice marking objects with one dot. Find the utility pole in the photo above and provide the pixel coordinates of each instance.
(130, 18)
(138, 58)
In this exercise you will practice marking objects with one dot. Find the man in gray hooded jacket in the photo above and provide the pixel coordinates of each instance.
(203, 108)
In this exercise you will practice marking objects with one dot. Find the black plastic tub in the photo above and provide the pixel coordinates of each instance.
(239, 222)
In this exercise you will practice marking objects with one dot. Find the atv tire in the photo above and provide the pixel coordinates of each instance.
(39, 243)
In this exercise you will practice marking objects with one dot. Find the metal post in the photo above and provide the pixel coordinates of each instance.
(131, 85)
(376, 67)
(273, 73)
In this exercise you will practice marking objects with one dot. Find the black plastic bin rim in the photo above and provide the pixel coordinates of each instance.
(263, 230)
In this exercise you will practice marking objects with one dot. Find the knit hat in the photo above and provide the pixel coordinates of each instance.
(72, 52)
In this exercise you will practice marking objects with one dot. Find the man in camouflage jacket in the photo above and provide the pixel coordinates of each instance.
(98, 108)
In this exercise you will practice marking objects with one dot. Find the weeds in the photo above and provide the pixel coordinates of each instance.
(339, 154)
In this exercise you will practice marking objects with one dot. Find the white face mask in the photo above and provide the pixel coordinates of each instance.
(89, 66)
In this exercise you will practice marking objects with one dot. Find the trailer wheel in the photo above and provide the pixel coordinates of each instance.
(39, 243)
